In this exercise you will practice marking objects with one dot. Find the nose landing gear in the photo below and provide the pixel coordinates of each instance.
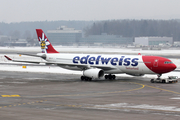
(159, 75)
(157, 79)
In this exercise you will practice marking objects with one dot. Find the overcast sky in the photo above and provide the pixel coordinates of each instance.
(41, 10)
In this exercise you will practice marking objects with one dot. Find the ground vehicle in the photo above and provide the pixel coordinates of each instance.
(170, 79)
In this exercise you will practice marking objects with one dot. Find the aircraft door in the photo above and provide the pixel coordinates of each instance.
(155, 63)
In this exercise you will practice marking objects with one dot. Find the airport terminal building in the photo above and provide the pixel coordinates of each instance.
(3, 39)
(107, 39)
(152, 41)
(64, 36)
(69, 36)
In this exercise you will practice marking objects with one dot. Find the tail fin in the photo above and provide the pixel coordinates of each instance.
(45, 44)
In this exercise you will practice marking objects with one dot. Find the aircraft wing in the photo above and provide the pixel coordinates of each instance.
(37, 62)
(20, 64)
(103, 67)
(82, 66)
(37, 55)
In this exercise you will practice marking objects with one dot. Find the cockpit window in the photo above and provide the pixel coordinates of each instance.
(168, 62)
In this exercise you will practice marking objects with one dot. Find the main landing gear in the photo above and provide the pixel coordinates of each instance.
(110, 77)
(84, 78)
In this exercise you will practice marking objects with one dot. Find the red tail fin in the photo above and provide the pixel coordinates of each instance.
(45, 44)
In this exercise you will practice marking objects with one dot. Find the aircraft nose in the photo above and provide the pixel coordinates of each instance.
(169, 68)
(173, 67)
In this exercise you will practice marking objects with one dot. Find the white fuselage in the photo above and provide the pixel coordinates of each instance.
(130, 64)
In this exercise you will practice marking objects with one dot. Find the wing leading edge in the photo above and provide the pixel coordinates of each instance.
(81, 66)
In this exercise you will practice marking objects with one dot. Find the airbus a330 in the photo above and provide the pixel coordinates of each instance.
(95, 66)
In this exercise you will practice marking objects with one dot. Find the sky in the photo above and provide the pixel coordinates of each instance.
(52, 10)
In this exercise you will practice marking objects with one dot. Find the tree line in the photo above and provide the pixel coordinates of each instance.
(136, 28)
(27, 29)
(125, 28)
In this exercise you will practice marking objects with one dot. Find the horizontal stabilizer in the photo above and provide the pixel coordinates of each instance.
(8, 58)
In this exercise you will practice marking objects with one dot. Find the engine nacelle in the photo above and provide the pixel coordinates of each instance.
(93, 73)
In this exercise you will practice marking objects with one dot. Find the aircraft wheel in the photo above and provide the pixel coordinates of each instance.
(90, 79)
(152, 80)
(106, 76)
(163, 81)
(82, 78)
(113, 77)
(110, 77)
(86, 78)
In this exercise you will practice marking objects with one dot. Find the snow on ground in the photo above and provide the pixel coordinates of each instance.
(37, 69)
(81, 49)
(118, 106)
(55, 69)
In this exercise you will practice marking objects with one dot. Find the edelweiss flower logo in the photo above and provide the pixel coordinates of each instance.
(43, 42)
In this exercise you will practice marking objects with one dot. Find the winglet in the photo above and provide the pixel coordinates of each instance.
(7, 57)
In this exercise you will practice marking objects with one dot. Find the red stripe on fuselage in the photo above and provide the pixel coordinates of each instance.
(158, 65)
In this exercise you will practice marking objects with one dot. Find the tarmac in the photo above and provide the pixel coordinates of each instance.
(49, 96)
(55, 96)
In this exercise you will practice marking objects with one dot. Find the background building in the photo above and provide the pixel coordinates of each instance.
(69, 36)
(19, 42)
(107, 39)
(151, 41)
(64, 36)
(3, 39)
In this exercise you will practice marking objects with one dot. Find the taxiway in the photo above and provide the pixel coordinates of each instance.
(55, 96)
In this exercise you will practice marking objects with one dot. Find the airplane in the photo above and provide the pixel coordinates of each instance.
(95, 66)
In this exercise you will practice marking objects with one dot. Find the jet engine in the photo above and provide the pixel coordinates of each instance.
(93, 73)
